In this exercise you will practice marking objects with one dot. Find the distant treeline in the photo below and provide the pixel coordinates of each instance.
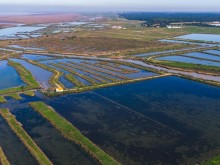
(164, 19)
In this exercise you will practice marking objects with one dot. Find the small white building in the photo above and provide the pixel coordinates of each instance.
(174, 27)
(118, 27)
(59, 89)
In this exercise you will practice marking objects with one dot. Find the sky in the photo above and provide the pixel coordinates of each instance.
(127, 5)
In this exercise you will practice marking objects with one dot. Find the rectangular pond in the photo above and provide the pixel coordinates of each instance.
(188, 60)
(201, 37)
(8, 76)
(215, 52)
(203, 56)
(36, 57)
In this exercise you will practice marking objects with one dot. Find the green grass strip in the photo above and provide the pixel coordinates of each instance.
(25, 138)
(100, 77)
(85, 77)
(188, 66)
(72, 133)
(15, 96)
(2, 99)
(26, 76)
(54, 79)
(91, 67)
(71, 78)
(214, 161)
(29, 93)
(3, 158)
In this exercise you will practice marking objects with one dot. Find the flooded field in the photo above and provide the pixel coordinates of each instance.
(18, 32)
(89, 72)
(8, 76)
(160, 121)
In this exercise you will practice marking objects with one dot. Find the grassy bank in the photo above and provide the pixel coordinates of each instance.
(54, 79)
(86, 70)
(25, 138)
(3, 158)
(72, 79)
(93, 87)
(76, 73)
(15, 96)
(25, 75)
(91, 67)
(214, 161)
(2, 99)
(179, 52)
(29, 93)
(72, 133)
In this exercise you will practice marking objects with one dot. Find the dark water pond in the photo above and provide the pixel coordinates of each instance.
(162, 121)
(58, 149)
(66, 82)
(15, 151)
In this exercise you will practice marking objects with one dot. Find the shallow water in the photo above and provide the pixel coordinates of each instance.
(41, 75)
(167, 51)
(9, 77)
(202, 37)
(35, 57)
(11, 32)
(139, 74)
(185, 42)
(217, 52)
(204, 56)
(189, 60)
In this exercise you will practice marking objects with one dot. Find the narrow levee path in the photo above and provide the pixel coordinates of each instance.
(3, 158)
